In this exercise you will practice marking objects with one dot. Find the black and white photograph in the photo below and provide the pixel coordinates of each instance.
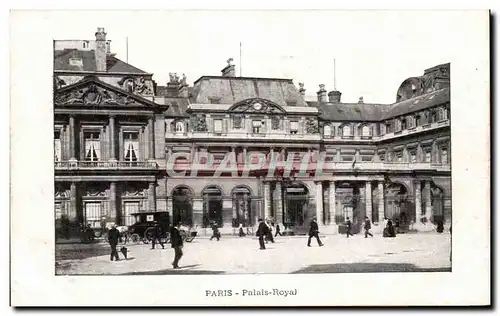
(287, 144)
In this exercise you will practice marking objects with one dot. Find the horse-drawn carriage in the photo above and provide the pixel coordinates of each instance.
(146, 224)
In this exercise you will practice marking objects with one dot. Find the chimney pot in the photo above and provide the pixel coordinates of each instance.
(334, 96)
(322, 94)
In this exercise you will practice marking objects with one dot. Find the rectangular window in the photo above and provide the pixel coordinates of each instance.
(217, 126)
(347, 158)
(366, 158)
(413, 156)
(93, 214)
(92, 146)
(444, 156)
(388, 127)
(129, 208)
(427, 156)
(418, 120)
(58, 210)
(404, 123)
(131, 146)
(256, 126)
(294, 127)
(57, 146)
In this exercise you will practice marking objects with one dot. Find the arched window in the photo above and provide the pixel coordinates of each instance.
(346, 131)
(179, 127)
(327, 131)
(366, 131)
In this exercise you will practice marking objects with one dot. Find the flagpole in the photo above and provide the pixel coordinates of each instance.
(126, 47)
(334, 76)
(241, 71)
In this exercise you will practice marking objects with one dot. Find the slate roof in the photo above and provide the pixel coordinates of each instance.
(230, 90)
(176, 107)
(62, 62)
(418, 103)
(350, 111)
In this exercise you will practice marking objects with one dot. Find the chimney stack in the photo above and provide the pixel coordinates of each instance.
(322, 94)
(101, 49)
(334, 96)
(229, 70)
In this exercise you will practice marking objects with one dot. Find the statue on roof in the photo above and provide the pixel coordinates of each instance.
(174, 78)
(229, 61)
(184, 80)
(301, 85)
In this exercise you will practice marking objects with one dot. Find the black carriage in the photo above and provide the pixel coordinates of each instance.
(143, 228)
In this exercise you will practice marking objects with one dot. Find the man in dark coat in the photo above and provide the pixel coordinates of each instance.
(278, 230)
(113, 237)
(314, 232)
(368, 226)
(390, 229)
(348, 227)
(177, 244)
(262, 232)
(215, 231)
(157, 237)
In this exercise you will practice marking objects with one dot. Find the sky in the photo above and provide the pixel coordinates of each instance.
(374, 51)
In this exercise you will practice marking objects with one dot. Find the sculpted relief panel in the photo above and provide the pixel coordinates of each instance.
(92, 95)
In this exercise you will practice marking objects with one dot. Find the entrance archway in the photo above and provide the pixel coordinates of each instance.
(296, 197)
(437, 202)
(182, 208)
(242, 210)
(398, 206)
(212, 205)
(352, 204)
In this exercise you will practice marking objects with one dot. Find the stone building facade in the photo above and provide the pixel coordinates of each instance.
(124, 144)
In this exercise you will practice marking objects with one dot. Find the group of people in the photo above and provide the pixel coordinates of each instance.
(176, 242)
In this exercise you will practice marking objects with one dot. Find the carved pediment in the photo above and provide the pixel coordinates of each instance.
(94, 93)
(256, 105)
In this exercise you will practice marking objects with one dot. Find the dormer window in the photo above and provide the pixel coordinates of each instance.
(327, 131)
(366, 131)
(179, 127)
(388, 127)
(346, 131)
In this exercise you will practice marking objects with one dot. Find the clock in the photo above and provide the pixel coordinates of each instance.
(257, 106)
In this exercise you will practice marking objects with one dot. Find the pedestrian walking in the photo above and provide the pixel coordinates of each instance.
(278, 230)
(368, 226)
(177, 244)
(262, 231)
(241, 233)
(314, 232)
(113, 237)
(348, 227)
(215, 231)
(157, 237)
(269, 236)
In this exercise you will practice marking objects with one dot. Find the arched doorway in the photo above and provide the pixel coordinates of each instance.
(296, 197)
(242, 210)
(398, 206)
(352, 204)
(182, 208)
(212, 206)
(437, 202)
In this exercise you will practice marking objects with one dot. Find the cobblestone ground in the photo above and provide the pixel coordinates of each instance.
(411, 252)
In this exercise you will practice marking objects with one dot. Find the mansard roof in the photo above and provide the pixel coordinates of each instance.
(230, 90)
(418, 103)
(88, 63)
(350, 111)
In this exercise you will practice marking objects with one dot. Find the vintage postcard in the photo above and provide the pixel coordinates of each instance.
(250, 158)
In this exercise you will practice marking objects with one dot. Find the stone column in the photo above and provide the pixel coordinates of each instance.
(235, 215)
(246, 203)
(112, 202)
(418, 203)
(331, 196)
(381, 202)
(244, 159)
(151, 197)
(368, 197)
(151, 140)
(73, 211)
(428, 201)
(267, 200)
(278, 216)
(112, 136)
(319, 203)
(72, 138)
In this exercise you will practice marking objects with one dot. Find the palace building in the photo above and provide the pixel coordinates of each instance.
(121, 141)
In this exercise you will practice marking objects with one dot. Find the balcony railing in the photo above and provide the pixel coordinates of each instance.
(105, 165)
(313, 166)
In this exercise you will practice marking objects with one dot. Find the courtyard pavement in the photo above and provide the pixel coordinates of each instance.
(406, 253)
